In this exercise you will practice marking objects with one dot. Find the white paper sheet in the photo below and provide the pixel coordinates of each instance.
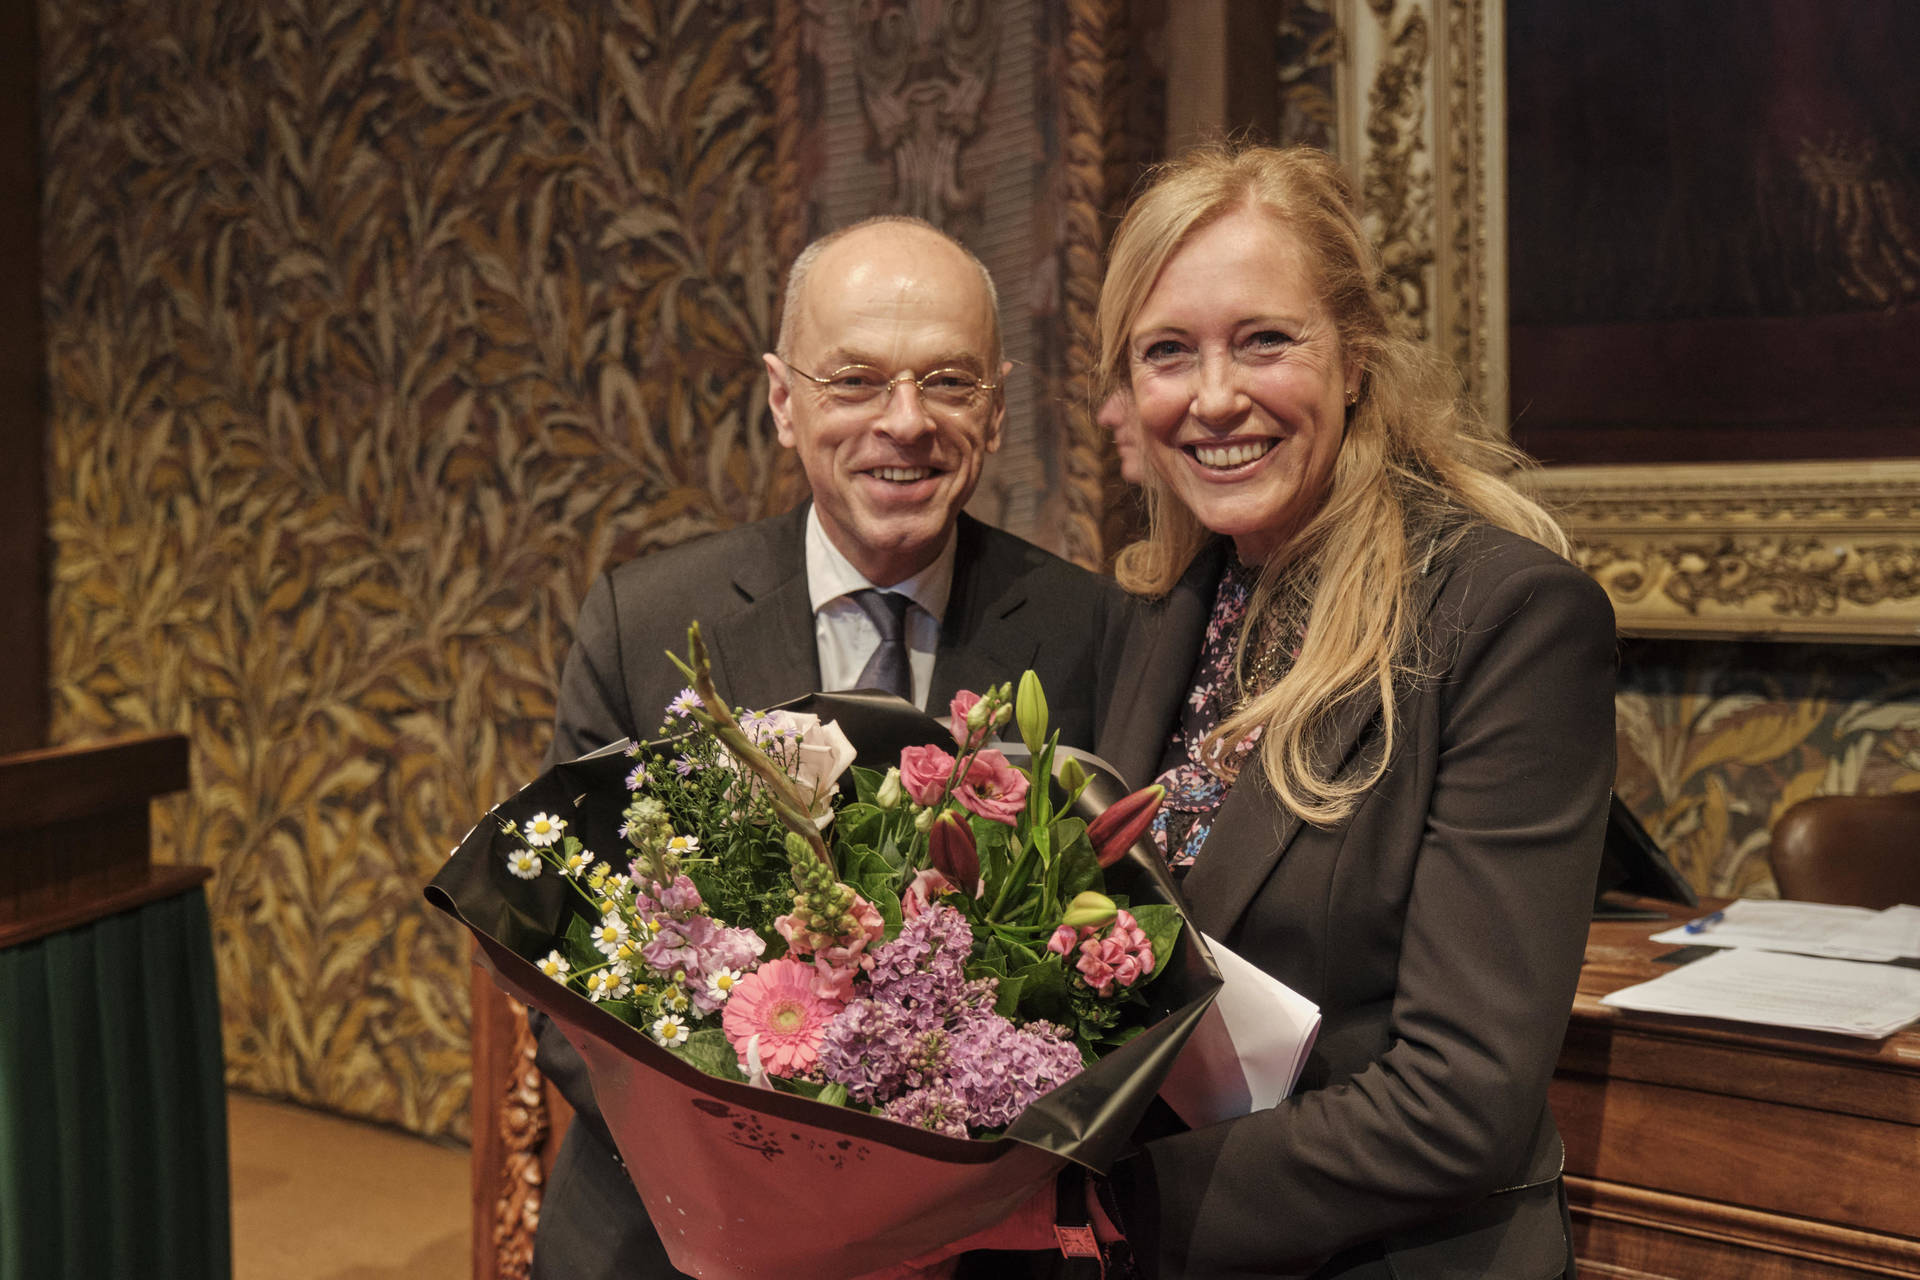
(1247, 1052)
(1779, 989)
(1809, 928)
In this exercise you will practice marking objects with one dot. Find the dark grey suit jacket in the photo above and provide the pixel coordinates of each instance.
(1013, 606)
(1440, 929)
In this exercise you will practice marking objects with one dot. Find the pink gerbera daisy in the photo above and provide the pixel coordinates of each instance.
(777, 1003)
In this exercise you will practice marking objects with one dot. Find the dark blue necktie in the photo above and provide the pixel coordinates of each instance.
(888, 668)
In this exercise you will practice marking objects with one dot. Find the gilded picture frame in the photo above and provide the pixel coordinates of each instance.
(1825, 551)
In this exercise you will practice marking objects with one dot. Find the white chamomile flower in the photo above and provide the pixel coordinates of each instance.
(576, 863)
(610, 935)
(607, 984)
(626, 953)
(524, 863)
(671, 1030)
(543, 829)
(676, 1000)
(555, 966)
(720, 985)
(683, 846)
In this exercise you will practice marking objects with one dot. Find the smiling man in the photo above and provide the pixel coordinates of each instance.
(888, 386)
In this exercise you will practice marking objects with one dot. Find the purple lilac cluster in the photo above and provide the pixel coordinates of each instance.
(924, 1043)
(687, 940)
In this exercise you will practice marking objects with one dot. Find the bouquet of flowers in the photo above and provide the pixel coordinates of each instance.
(913, 972)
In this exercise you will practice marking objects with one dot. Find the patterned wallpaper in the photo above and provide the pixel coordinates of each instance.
(1716, 740)
(375, 331)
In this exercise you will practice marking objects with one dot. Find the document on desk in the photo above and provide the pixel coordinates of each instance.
(1809, 928)
(1780, 989)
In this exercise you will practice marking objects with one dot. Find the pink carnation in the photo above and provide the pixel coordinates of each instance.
(777, 1002)
(924, 772)
(993, 789)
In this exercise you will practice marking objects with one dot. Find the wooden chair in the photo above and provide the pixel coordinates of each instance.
(1859, 851)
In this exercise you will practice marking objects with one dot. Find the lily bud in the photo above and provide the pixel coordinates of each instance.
(891, 793)
(1030, 706)
(1090, 910)
(1072, 775)
(951, 850)
(1124, 821)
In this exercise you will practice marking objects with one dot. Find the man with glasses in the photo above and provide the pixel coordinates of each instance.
(888, 386)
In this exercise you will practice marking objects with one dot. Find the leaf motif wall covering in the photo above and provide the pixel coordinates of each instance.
(375, 331)
(1717, 740)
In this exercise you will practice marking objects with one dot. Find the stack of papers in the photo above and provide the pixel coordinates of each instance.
(1808, 928)
(1777, 989)
(1246, 1055)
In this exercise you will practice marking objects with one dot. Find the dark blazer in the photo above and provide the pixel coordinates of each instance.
(1440, 929)
(1013, 606)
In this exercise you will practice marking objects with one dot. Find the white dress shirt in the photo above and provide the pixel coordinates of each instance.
(842, 632)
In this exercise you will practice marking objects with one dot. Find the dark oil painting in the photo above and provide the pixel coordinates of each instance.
(1714, 211)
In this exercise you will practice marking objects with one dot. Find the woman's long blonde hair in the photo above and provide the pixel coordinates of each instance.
(1415, 467)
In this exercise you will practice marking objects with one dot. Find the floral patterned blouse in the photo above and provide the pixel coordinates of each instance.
(1195, 792)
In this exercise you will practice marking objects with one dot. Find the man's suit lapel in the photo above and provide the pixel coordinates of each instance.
(990, 633)
(763, 649)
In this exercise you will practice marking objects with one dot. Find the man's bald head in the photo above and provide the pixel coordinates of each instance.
(888, 227)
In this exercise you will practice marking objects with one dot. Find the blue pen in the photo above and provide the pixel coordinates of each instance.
(1701, 924)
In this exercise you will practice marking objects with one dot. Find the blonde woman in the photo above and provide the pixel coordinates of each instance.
(1382, 704)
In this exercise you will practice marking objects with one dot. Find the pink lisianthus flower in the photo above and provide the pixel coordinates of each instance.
(922, 891)
(924, 772)
(957, 710)
(777, 1002)
(993, 788)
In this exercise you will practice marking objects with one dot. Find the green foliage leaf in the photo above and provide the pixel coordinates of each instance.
(866, 784)
(1045, 991)
(709, 1050)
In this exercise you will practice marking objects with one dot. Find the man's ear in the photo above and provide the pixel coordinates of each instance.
(779, 398)
(999, 417)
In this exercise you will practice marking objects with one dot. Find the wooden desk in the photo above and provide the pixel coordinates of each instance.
(1699, 1150)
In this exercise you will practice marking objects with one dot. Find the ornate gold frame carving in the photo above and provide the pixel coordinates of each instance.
(1823, 551)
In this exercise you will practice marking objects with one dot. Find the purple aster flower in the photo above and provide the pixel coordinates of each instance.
(638, 778)
(683, 703)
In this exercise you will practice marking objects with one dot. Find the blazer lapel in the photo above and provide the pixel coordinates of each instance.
(1252, 830)
(764, 651)
(990, 633)
(1156, 671)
